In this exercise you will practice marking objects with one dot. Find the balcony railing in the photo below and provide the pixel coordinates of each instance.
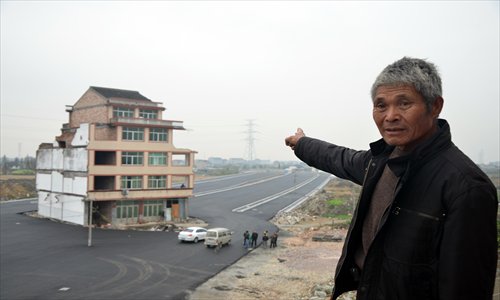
(141, 103)
(147, 122)
(139, 194)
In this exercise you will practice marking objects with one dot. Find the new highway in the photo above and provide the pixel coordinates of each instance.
(43, 259)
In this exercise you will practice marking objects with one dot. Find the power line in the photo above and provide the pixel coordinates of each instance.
(28, 117)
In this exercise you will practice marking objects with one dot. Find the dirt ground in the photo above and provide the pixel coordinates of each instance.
(299, 268)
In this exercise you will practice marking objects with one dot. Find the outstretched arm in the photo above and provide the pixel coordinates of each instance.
(337, 160)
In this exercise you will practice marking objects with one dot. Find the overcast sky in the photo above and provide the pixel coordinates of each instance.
(217, 65)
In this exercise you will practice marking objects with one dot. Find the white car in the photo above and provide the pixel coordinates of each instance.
(192, 234)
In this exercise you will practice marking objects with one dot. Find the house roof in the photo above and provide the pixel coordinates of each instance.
(117, 93)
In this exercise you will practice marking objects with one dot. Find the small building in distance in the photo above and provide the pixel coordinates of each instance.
(117, 153)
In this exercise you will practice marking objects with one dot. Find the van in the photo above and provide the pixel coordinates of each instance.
(218, 237)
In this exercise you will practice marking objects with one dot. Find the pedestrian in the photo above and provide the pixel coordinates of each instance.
(246, 237)
(265, 238)
(425, 224)
(254, 238)
(274, 240)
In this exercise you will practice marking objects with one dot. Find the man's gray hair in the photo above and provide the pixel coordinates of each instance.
(420, 74)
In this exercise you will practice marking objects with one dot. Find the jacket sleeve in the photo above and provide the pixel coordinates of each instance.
(468, 254)
(340, 161)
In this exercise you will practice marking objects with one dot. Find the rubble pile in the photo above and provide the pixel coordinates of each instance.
(289, 218)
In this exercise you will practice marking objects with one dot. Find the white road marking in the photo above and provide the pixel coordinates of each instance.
(272, 197)
(233, 187)
(298, 202)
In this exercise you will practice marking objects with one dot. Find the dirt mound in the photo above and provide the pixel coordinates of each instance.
(14, 188)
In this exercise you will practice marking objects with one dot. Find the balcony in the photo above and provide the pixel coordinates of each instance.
(139, 194)
(147, 122)
(140, 103)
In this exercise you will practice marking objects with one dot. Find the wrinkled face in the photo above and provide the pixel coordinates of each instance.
(402, 117)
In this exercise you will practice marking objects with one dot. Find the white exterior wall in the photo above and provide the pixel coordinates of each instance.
(43, 181)
(44, 159)
(57, 159)
(62, 196)
(62, 207)
(75, 160)
(81, 137)
(56, 182)
(70, 159)
(76, 185)
(43, 203)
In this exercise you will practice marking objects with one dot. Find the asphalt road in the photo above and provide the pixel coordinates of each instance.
(43, 259)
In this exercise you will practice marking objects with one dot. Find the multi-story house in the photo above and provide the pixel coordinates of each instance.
(116, 154)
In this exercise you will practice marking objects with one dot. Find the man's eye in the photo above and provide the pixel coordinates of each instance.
(404, 104)
(379, 106)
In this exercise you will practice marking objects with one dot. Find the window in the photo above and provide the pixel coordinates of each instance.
(132, 158)
(158, 134)
(123, 112)
(148, 114)
(153, 208)
(133, 134)
(131, 182)
(157, 182)
(127, 209)
(105, 158)
(104, 183)
(157, 158)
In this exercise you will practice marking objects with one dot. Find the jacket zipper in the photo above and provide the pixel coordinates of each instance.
(399, 209)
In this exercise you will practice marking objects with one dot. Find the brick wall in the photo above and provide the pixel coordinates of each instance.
(90, 108)
(105, 134)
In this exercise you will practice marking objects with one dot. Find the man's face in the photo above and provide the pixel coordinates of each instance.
(402, 116)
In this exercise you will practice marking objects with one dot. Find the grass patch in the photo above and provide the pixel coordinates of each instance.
(335, 202)
(343, 217)
(23, 172)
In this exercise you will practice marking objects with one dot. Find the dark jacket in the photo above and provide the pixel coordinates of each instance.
(438, 238)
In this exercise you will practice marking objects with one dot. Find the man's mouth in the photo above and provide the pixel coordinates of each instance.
(394, 130)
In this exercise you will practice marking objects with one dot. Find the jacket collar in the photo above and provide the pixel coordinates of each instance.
(421, 154)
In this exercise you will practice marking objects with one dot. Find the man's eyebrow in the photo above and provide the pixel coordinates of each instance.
(402, 96)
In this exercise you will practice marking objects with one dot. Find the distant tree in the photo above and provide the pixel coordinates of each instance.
(28, 163)
(32, 164)
(17, 162)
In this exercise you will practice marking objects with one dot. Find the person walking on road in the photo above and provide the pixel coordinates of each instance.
(254, 238)
(246, 239)
(265, 237)
(274, 240)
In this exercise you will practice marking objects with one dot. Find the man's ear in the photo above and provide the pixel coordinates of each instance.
(437, 106)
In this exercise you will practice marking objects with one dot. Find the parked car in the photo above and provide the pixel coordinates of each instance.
(218, 237)
(192, 234)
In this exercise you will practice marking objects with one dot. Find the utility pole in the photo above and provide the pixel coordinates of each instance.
(91, 210)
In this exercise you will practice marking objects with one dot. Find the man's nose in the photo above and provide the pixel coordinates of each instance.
(392, 114)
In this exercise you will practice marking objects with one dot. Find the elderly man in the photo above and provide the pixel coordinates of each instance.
(425, 223)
